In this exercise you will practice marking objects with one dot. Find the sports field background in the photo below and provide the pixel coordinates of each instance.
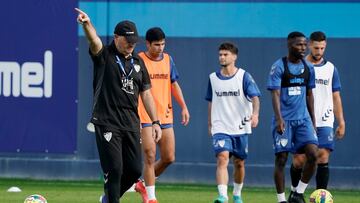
(89, 191)
(46, 137)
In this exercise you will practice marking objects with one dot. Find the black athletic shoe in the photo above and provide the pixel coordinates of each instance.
(297, 198)
(290, 195)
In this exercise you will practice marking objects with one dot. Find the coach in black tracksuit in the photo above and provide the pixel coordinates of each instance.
(120, 76)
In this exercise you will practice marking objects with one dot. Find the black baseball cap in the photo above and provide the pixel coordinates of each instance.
(127, 29)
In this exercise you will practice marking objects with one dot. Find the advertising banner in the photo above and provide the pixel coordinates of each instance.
(38, 76)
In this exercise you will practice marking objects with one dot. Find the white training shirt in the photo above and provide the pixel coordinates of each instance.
(231, 110)
(323, 95)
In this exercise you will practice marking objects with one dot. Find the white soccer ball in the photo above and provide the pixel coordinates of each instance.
(35, 199)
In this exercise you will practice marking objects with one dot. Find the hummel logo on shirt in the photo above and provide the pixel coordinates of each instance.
(228, 93)
(159, 76)
(322, 81)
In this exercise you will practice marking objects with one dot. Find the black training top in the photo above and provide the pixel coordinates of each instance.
(291, 80)
(117, 83)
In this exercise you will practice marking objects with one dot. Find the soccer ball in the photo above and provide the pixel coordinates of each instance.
(321, 196)
(35, 199)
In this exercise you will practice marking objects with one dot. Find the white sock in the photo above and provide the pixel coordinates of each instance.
(281, 197)
(237, 189)
(150, 191)
(223, 190)
(301, 187)
(293, 188)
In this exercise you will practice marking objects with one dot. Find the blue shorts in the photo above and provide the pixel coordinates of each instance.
(236, 145)
(326, 137)
(298, 133)
(162, 126)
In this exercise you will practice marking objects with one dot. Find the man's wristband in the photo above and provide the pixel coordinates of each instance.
(157, 122)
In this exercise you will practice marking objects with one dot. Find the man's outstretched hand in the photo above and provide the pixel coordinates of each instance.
(82, 17)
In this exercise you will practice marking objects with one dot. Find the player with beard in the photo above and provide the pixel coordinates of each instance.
(291, 81)
(327, 105)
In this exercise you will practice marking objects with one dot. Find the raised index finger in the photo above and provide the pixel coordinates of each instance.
(80, 11)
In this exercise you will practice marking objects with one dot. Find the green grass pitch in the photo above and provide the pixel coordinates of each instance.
(89, 191)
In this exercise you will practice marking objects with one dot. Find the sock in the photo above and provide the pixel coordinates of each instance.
(237, 189)
(281, 197)
(295, 174)
(322, 176)
(150, 191)
(301, 187)
(223, 190)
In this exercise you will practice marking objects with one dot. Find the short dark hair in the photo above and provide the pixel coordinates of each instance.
(154, 34)
(318, 36)
(228, 46)
(295, 34)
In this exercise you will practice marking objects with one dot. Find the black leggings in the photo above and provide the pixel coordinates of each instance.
(120, 159)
